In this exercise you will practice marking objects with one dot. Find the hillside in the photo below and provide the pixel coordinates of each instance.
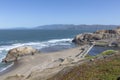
(99, 69)
(75, 27)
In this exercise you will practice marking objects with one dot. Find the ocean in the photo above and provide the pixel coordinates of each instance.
(43, 40)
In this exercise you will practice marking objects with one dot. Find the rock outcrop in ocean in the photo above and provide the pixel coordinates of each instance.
(18, 52)
(101, 37)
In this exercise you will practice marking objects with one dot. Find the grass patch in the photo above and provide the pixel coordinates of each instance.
(100, 69)
(90, 57)
(108, 52)
(101, 43)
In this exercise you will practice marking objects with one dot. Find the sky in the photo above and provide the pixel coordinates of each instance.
(32, 13)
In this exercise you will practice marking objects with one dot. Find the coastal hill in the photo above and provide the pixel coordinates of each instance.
(69, 27)
(100, 69)
(75, 27)
(100, 38)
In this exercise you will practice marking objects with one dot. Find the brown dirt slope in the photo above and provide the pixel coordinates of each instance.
(100, 69)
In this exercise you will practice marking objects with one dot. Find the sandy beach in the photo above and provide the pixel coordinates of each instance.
(41, 61)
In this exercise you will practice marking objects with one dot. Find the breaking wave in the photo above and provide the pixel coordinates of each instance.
(38, 45)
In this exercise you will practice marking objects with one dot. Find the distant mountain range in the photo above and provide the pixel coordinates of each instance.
(69, 27)
(75, 27)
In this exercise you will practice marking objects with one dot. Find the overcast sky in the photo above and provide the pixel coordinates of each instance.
(31, 13)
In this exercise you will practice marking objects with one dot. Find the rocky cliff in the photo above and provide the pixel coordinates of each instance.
(109, 36)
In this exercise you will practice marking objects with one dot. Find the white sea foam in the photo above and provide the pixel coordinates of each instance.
(38, 45)
(2, 69)
(60, 40)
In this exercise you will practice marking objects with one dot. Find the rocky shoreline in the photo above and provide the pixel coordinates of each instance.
(42, 63)
(43, 66)
(99, 38)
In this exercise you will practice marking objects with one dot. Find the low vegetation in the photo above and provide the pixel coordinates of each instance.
(100, 43)
(108, 52)
(100, 69)
(104, 53)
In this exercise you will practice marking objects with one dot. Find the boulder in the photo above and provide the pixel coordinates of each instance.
(59, 60)
(86, 38)
(67, 60)
(15, 53)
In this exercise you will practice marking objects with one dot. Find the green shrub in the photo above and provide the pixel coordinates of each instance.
(108, 52)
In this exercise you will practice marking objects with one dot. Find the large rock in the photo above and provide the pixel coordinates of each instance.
(106, 34)
(87, 38)
(67, 60)
(15, 53)
(118, 30)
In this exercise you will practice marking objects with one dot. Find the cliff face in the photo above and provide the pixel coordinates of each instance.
(109, 36)
(86, 38)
